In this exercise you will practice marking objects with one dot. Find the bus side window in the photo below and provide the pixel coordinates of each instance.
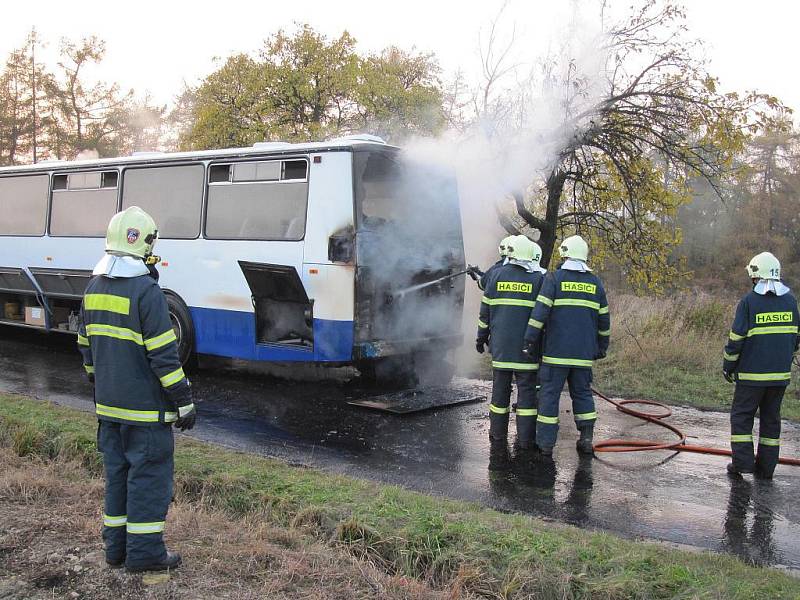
(23, 204)
(258, 200)
(173, 195)
(83, 203)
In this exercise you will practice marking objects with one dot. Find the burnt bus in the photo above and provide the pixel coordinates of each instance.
(279, 252)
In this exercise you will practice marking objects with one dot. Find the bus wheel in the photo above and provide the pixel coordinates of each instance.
(184, 330)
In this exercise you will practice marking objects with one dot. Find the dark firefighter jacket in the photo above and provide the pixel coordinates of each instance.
(763, 339)
(505, 310)
(572, 311)
(127, 342)
(483, 281)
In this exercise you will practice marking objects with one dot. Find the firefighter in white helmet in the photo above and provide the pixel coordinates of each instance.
(505, 310)
(481, 277)
(130, 353)
(758, 358)
(572, 315)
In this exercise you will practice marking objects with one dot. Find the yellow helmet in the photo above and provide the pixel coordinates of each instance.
(131, 232)
(574, 247)
(764, 266)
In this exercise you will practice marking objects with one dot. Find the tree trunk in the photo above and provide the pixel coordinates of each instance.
(547, 240)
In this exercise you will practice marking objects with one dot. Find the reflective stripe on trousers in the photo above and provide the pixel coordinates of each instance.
(138, 464)
(499, 408)
(552, 380)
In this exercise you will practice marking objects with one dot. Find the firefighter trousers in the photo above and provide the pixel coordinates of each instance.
(552, 381)
(138, 464)
(747, 400)
(499, 409)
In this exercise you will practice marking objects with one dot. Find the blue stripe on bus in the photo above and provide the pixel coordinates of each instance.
(231, 333)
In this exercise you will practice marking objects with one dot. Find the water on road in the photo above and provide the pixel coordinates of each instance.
(680, 498)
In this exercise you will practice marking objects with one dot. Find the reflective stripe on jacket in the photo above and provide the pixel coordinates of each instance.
(505, 310)
(571, 313)
(127, 342)
(763, 339)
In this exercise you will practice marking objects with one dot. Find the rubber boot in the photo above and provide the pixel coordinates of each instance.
(171, 561)
(499, 459)
(585, 442)
(737, 471)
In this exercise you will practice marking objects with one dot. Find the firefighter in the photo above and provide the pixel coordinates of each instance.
(482, 277)
(758, 358)
(504, 314)
(571, 313)
(130, 354)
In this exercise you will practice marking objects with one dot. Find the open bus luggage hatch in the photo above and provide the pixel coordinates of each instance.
(284, 313)
(15, 281)
(62, 283)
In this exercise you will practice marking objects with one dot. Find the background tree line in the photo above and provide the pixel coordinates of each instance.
(60, 113)
(668, 176)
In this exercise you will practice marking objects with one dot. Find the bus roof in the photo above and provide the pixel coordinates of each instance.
(342, 144)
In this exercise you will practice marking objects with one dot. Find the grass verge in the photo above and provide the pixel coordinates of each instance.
(447, 544)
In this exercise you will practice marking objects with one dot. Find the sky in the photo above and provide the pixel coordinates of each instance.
(159, 46)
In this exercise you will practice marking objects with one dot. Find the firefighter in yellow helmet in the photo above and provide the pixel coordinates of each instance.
(130, 353)
(758, 358)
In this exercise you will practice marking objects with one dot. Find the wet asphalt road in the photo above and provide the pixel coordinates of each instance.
(685, 498)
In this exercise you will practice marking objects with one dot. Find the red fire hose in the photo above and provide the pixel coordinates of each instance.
(680, 445)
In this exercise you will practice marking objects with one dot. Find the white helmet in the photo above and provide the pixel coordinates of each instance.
(574, 247)
(764, 266)
(520, 247)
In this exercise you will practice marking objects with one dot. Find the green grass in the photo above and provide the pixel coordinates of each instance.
(444, 542)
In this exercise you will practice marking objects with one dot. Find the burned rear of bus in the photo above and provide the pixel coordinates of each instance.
(408, 241)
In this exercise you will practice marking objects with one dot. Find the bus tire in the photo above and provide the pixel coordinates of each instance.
(181, 320)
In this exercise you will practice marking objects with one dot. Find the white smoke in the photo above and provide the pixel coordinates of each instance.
(88, 154)
(512, 143)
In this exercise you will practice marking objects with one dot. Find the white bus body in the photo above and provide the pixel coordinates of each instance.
(268, 253)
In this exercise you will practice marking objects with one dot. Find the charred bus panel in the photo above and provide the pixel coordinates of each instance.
(408, 232)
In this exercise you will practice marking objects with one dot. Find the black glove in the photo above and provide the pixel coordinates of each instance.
(601, 354)
(474, 272)
(480, 346)
(187, 420)
(728, 375)
(529, 349)
(186, 411)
